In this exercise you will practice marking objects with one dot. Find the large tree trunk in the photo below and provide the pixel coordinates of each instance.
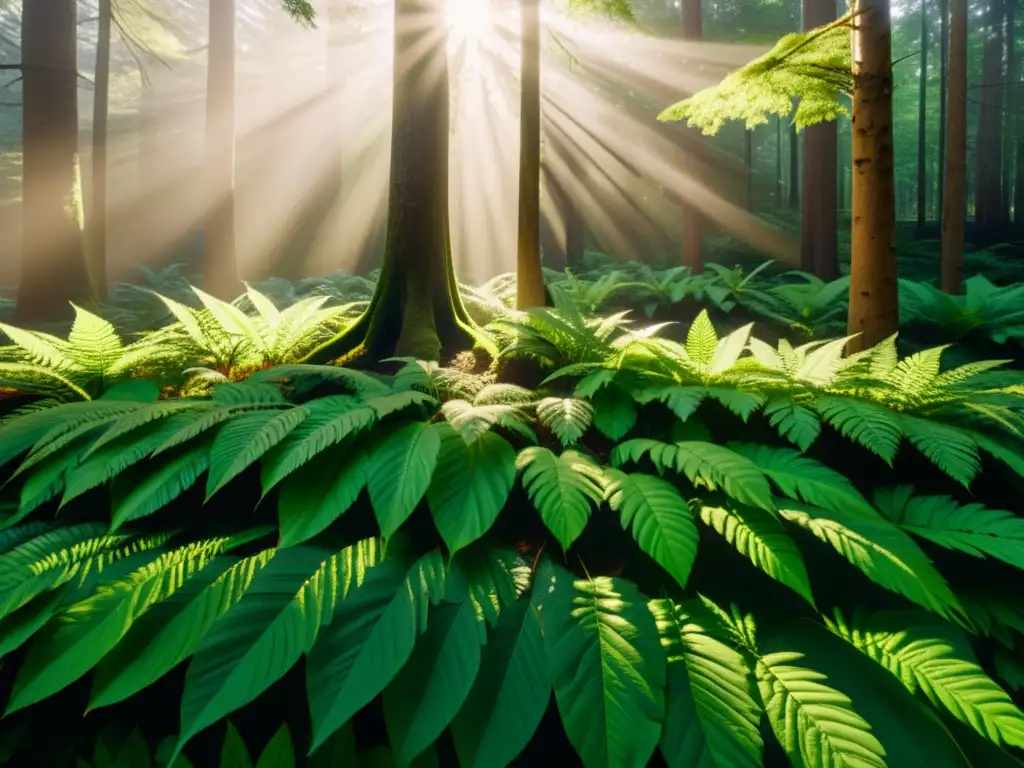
(690, 219)
(220, 265)
(819, 251)
(874, 300)
(943, 95)
(97, 230)
(922, 101)
(954, 211)
(54, 271)
(988, 155)
(529, 277)
(416, 310)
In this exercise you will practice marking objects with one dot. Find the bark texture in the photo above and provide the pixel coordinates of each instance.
(874, 300)
(954, 211)
(54, 271)
(529, 276)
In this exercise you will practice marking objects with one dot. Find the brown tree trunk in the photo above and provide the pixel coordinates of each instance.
(690, 218)
(529, 276)
(794, 168)
(954, 211)
(54, 271)
(943, 95)
(874, 300)
(819, 251)
(97, 231)
(988, 155)
(220, 264)
(922, 102)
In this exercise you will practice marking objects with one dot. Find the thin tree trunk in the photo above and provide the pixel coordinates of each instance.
(220, 265)
(692, 225)
(54, 271)
(922, 113)
(778, 162)
(954, 212)
(794, 169)
(97, 250)
(529, 276)
(819, 251)
(874, 300)
(943, 68)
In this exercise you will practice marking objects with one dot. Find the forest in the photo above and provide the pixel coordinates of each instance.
(485, 383)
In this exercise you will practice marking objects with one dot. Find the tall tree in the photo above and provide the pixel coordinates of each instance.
(416, 309)
(819, 251)
(922, 114)
(690, 219)
(529, 276)
(943, 96)
(874, 300)
(54, 270)
(220, 261)
(97, 229)
(954, 211)
(989, 154)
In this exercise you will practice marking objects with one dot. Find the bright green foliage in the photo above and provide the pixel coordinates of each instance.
(813, 66)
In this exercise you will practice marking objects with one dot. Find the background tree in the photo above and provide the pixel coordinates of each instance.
(954, 212)
(922, 124)
(529, 277)
(691, 23)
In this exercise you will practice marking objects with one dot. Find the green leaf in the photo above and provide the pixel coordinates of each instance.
(950, 449)
(660, 520)
(234, 753)
(562, 489)
(797, 423)
(245, 439)
(703, 464)
(400, 469)
(608, 669)
(713, 713)
(701, 340)
(872, 426)
(614, 412)
(510, 694)
(761, 538)
(369, 638)
(279, 752)
(136, 497)
(432, 686)
(319, 493)
(568, 418)
(470, 486)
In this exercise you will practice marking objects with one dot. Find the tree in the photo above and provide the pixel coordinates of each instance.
(874, 298)
(529, 276)
(416, 309)
(220, 262)
(97, 229)
(954, 201)
(54, 271)
(690, 218)
(943, 97)
(819, 251)
(989, 154)
(922, 103)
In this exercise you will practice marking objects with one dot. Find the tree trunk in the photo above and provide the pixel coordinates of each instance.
(922, 100)
(220, 266)
(988, 155)
(943, 95)
(97, 230)
(954, 212)
(819, 250)
(874, 300)
(54, 271)
(794, 168)
(416, 310)
(529, 276)
(690, 218)
(778, 162)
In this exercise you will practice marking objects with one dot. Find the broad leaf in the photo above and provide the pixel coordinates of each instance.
(400, 469)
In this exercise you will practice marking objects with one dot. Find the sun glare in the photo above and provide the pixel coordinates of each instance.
(468, 20)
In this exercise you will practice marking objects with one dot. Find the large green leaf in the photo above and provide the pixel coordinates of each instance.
(369, 638)
(607, 666)
(470, 486)
(713, 714)
(320, 492)
(400, 470)
(510, 695)
(432, 686)
(614, 412)
(245, 439)
(659, 518)
(562, 489)
(279, 752)
(567, 418)
(140, 493)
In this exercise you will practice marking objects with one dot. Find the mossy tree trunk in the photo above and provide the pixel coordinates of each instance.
(954, 200)
(874, 300)
(97, 230)
(819, 246)
(54, 271)
(529, 276)
(416, 310)
(220, 261)
(690, 218)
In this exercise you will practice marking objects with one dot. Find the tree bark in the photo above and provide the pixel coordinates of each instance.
(690, 219)
(922, 102)
(54, 271)
(988, 156)
(416, 310)
(97, 230)
(529, 276)
(874, 300)
(220, 264)
(943, 96)
(819, 251)
(954, 212)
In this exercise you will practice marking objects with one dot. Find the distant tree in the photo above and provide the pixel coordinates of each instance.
(988, 155)
(97, 225)
(529, 277)
(690, 219)
(922, 124)
(954, 211)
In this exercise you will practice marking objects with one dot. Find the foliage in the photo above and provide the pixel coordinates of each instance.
(814, 67)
